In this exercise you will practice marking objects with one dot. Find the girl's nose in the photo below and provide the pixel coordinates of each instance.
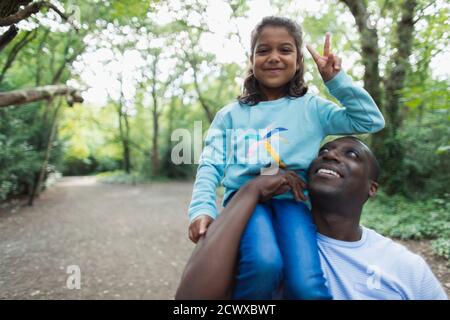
(274, 57)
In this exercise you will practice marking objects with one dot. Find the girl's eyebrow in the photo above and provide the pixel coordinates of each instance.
(282, 44)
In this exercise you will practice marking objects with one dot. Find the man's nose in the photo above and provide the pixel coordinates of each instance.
(331, 155)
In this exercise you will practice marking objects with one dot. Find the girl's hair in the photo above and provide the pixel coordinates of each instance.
(296, 87)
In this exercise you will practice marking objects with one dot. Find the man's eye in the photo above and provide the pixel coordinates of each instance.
(323, 151)
(352, 154)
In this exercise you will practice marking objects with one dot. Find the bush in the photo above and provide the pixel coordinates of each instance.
(90, 165)
(424, 171)
(441, 247)
(121, 177)
(399, 217)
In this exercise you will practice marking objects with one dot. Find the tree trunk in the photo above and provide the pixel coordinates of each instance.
(390, 149)
(155, 118)
(41, 177)
(385, 144)
(203, 103)
(124, 132)
(155, 153)
(23, 96)
(8, 36)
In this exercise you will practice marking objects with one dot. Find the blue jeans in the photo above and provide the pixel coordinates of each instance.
(279, 246)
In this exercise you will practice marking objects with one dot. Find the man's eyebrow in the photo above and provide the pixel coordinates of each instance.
(327, 145)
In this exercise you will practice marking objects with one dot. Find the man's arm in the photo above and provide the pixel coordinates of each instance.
(209, 272)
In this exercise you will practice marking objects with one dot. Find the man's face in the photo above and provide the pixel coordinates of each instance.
(342, 168)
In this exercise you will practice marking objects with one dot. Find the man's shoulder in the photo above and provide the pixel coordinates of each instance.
(393, 249)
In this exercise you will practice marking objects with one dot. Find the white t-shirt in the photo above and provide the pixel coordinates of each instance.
(376, 267)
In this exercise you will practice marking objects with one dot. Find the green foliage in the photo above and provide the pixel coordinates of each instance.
(423, 172)
(399, 217)
(18, 154)
(441, 247)
(121, 177)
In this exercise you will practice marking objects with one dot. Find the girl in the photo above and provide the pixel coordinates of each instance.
(277, 116)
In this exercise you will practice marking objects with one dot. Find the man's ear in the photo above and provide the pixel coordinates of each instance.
(373, 189)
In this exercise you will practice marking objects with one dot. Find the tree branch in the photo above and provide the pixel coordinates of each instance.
(8, 36)
(421, 14)
(27, 38)
(29, 10)
(23, 96)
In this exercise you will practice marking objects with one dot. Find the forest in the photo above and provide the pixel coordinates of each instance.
(98, 87)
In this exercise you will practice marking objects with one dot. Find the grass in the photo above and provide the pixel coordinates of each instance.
(401, 218)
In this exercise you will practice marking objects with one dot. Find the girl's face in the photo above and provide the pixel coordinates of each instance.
(274, 60)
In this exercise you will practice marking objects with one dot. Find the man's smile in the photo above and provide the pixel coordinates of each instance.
(328, 172)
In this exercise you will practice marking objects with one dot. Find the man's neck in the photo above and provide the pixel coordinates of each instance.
(338, 224)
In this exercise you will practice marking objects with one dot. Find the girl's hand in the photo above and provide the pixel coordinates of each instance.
(199, 226)
(268, 186)
(329, 64)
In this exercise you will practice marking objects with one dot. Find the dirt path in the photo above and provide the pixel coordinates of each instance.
(129, 242)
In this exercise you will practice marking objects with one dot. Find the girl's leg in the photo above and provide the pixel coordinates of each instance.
(296, 235)
(260, 265)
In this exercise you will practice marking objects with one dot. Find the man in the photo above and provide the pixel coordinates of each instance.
(358, 263)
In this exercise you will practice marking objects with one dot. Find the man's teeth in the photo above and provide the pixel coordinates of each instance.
(327, 171)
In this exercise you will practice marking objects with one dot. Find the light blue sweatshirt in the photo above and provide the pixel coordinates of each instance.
(244, 139)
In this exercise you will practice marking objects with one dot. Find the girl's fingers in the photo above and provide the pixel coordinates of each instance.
(296, 190)
(330, 61)
(326, 46)
(192, 236)
(300, 185)
(339, 63)
(300, 189)
(203, 227)
(314, 53)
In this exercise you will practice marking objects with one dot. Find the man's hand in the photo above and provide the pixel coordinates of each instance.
(268, 186)
(198, 227)
(329, 64)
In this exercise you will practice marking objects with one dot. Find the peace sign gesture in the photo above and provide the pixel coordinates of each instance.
(329, 64)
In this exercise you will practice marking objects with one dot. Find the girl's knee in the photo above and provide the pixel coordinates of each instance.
(266, 265)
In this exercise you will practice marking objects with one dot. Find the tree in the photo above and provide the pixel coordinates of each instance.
(10, 14)
(386, 143)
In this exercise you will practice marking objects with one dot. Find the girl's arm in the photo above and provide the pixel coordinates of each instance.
(210, 171)
(209, 273)
(360, 113)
